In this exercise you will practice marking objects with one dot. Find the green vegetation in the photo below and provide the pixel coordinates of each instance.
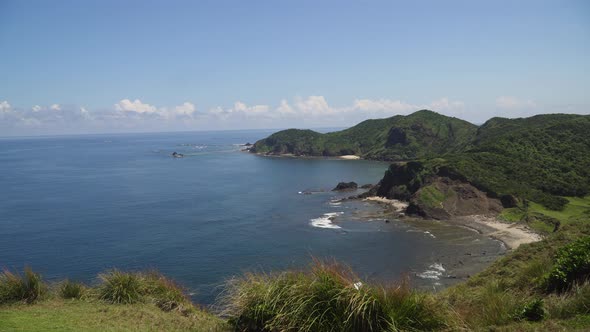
(86, 315)
(419, 135)
(72, 290)
(511, 292)
(330, 297)
(540, 159)
(545, 220)
(27, 288)
(120, 287)
(122, 301)
(572, 264)
(430, 196)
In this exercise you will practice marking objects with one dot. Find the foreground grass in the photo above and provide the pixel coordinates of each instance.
(542, 286)
(82, 315)
(329, 297)
(121, 301)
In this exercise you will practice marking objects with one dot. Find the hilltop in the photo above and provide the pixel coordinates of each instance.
(418, 135)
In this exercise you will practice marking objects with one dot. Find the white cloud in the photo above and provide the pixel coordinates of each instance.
(380, 105)
(136, 106)
(514, 104)
(314, 105)
(285, 109)
(5, 106)
(135, 115)
(185, 109)
(250, 110)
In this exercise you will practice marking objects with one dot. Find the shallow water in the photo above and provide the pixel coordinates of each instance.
(77, 205)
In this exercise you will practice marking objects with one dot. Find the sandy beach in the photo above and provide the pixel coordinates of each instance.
(511, 234)
(397, 205)
(350, 157)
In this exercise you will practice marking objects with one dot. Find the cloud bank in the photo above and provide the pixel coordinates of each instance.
(132, 115)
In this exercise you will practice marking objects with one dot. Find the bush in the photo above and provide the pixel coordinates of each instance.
(27, 288)
(531, 311)
(572, 263)
(120, 287)
(329, 297)
(71, 290)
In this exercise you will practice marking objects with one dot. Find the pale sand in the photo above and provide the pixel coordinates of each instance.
(350, 157)
(511, 234)
(398, 205)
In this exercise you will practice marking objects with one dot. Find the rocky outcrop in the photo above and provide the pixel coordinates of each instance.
(434, 192)
(343, 186)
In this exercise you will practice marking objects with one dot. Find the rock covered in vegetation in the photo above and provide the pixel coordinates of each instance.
(434, 192)
(342, 186)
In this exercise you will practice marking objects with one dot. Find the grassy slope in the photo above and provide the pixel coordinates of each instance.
(80, 315)
(577, 208)
(488, 300)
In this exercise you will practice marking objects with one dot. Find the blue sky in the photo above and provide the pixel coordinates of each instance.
(117, 66)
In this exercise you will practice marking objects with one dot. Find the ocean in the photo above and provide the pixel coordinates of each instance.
(74, 206)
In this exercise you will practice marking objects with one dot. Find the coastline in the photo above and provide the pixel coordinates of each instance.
(511, 234)
(291, 155)
(397, 205)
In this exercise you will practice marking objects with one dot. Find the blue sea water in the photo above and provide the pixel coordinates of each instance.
(73, 206)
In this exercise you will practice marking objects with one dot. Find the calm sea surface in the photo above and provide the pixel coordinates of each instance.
(73, 206)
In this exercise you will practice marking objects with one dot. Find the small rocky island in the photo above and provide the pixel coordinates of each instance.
(346, 186)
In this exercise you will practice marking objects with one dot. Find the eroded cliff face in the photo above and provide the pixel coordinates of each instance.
(434, 192)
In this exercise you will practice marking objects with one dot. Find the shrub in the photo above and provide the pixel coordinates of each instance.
(27, 288)
(572, 263)
(531, 311)
(120, 287)
(71, 290)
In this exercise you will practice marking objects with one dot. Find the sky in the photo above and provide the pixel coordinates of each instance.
(70, 67)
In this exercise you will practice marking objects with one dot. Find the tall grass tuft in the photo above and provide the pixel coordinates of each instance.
(120, 287)
(569, 304)
(27, 288)
(130, 287)
(165, 293)
(71, 290)
(328, 297)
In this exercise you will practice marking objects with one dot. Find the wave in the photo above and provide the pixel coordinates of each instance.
(335, 202)
(430, 234)
(325, 221)
(435, 271)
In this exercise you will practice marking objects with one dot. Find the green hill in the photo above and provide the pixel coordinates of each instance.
(418, 135)
(542, 158)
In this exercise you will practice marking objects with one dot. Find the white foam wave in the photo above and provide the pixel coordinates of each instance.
(435, 271)
(325, 221)
(430, 234)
